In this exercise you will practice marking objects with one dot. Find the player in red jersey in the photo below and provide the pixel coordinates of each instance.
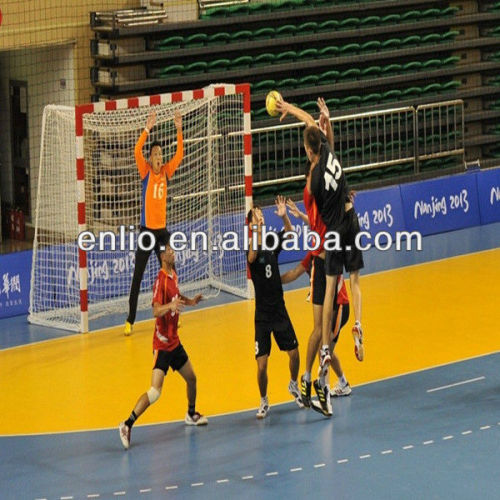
(167, 348)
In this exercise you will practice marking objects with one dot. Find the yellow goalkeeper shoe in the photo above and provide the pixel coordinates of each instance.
(128, 329)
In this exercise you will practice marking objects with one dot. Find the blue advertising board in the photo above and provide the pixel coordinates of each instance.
(15, 275)
(488, 190)
(441, 205)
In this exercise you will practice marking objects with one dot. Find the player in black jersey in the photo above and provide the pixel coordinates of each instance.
(330, 190)
(270, 311)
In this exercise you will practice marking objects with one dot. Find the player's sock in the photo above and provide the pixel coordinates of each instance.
(343, 380)
(307, 376)
(130, 422)
(191, 410)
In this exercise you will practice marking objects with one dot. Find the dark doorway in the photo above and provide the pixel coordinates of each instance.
(20, 145)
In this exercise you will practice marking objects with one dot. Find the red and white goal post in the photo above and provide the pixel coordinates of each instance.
(210, 192)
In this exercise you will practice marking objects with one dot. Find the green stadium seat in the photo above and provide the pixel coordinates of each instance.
(449, 36)
(285, 30)
(333, 102)
(349, 23)
(431, 38)
(391, 69)
(263, 86)
(307, 28)
(307, 54)
(327, 26)
(450, 86)
(287, 83)
(218, 65)
(450, 61)
(218, 38)
(371, 71)
(391, 95)
(350, 48)
(370, 46)
(286, 57)
(410, 91)
(350, 101)
(241, 62)
(238, 10)
(372, 174)
(412, 66)
(241, 36)
(263, 33)
(369, 21)
(310, 106)
(264, 59)
(449, 11)
(371, 98)
(331, 51)
(308, 81)
(170, 43)
(354, 177)
(196, 68)
(328, 77)
(350, 74)
(435, 13)
(411, 41)
(196, 40)
(431, 64)
(411, 15)
(216, 12)
(391, 43)
(171, 71)
(391, 19)
(259, 8)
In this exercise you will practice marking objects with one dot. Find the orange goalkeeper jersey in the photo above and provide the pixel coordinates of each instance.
(154, 186)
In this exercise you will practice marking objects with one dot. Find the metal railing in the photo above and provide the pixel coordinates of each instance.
(364, 141)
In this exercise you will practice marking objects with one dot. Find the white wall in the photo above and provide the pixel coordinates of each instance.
(43, 69)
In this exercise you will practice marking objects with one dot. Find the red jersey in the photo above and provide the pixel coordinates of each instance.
(315, 221)
(342, 297)
(166, 289)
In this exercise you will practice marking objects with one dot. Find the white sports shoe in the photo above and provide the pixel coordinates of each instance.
(196, 419)
(263, 409)
(125, 435)
(293, 389)
(340, 390)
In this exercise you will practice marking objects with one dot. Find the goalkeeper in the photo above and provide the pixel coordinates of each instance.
(154, 176)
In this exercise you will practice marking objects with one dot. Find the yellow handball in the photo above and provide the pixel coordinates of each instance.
(271, 99)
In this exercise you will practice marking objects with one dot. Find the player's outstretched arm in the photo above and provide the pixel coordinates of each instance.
(324, 121)
(285, 107)
(175, 305)
(255, 225)
(293, 274)
(192, 302)
(294, 210)
(281, 212)
(140, 161)
(175, 161)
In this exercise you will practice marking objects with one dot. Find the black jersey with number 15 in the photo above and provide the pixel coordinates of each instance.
(329, 187)
(267, 281)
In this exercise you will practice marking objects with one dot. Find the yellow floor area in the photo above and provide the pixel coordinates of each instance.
(413, 318)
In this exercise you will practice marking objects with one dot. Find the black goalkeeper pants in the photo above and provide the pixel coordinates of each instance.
(162, 237)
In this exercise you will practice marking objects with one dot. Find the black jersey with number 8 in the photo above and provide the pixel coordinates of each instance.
(267, 281)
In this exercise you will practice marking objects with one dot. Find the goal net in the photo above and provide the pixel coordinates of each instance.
(209, 195)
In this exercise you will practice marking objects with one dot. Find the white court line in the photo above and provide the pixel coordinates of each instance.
(194, 485)
(222, 481)
(171, 487)
(385, 452)
(447, 437)
(119, 493)
(484, 427)
(408, 447)
(296, 469)
(247, 477)
(275, 473)
(343, 461)
(428, 442)
(362, 457)
(93, 495)
(466, 432)
(145, 490)
(67, 498)
(317, 466)
(456, 383)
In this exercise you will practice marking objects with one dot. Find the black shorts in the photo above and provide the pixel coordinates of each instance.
(281, 327)
(175, 359)
(338, 323)
(349, 256)
(318, 281)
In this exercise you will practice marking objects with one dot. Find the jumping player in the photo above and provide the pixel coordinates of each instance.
(154, 176)
(329, 188)
(167, 348)
(270, 311)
